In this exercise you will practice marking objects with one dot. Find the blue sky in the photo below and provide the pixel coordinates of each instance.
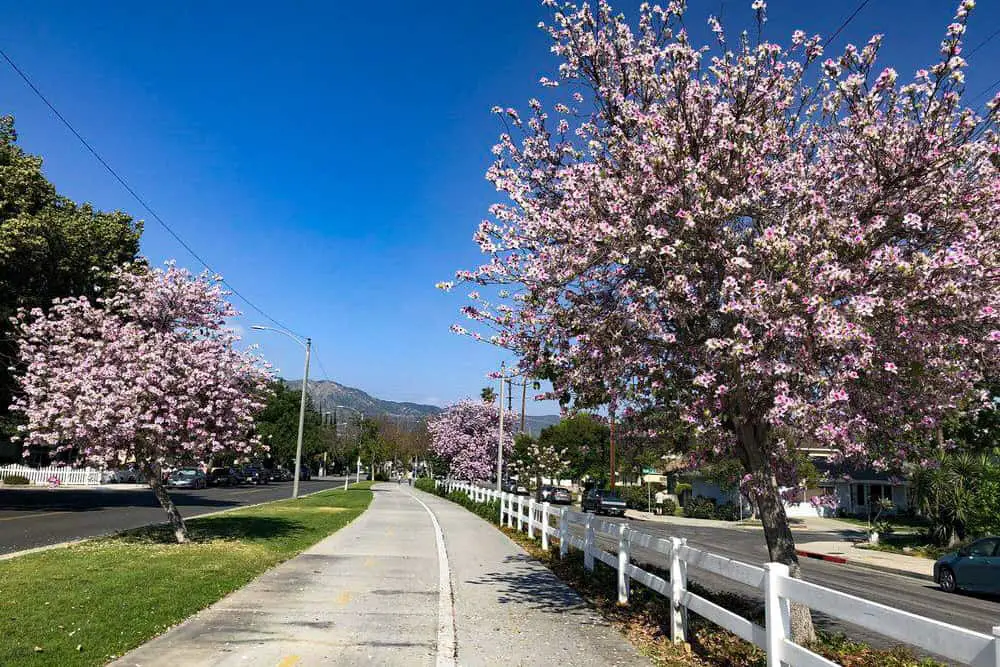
(328, 158)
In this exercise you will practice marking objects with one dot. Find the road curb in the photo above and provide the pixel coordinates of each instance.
(71, 543)
(840, 560)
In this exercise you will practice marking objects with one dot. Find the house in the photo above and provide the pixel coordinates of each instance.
(860, 490)
(857, 490)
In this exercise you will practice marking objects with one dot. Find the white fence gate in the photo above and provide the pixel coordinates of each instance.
(41, 476)
(779, 589)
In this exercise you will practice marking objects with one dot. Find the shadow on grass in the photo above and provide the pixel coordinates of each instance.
(248, 528)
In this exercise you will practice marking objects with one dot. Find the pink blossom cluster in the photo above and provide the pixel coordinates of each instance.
(466, 435)
(827, 501)
(149, 373)
(785, 246)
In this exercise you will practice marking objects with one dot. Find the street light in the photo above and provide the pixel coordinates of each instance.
(357, 479)
(504, 378)
(307, 344)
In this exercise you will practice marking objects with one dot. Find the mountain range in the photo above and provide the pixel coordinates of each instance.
(327, 395)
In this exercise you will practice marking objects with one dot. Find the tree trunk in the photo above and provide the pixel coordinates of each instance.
(781, 549)
(752, 438)
(152, 474)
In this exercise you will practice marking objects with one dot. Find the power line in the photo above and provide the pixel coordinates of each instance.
(985, 91)
(984, 42)
(846, 22)
(131, 191)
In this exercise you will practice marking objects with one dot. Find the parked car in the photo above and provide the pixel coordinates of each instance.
(254, 475)
(224, 477)
(974, 568)
(603, 501)
(281, 475)
(305, 473)
(187, 478)
(557, 495)
(513, 486)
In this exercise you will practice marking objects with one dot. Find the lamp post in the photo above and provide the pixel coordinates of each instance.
(362, 415)
(307, 344)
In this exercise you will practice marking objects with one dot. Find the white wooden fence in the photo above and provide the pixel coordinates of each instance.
(779, 589)
(41, 476)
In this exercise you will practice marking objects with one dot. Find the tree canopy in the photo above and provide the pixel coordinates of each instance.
(784, 246)
(50, 247)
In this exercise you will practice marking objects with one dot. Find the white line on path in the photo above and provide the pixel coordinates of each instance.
(446, 648)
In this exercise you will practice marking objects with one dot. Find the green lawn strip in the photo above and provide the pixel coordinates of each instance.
(88, 603)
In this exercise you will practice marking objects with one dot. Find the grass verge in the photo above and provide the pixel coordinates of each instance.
(89, 603)
(644, 619)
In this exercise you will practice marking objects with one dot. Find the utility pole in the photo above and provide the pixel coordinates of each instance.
(503, 365)
(524, 394)
(611, 414)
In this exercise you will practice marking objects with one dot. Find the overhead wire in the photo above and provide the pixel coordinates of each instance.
(135, 195)
(846, 22)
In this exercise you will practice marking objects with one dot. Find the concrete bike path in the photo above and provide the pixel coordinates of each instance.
(511, 610)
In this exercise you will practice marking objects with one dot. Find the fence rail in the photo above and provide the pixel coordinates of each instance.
(773, 580)
(43, 476)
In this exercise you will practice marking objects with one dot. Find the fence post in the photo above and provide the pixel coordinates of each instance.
(996, 646)
(520, 513)
(531, 518)
(564, 534)
(678, 585)
(545, 526)
(588, 544)
(503, 506)
(623, 560)
(777, 614)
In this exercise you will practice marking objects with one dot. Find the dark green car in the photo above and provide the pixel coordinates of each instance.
(974, 568)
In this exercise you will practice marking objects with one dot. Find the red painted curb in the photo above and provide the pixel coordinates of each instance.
(827, 557)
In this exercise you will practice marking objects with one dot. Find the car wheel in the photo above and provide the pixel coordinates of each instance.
(947, 580)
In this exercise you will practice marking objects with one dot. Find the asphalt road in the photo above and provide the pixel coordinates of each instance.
(979, 613)
(34, 517)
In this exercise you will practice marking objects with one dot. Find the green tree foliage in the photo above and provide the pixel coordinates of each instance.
(586, 440)
(488, 395)
(278, 425)
(49, 247)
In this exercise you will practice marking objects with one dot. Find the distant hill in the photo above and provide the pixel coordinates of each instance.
(326, 394)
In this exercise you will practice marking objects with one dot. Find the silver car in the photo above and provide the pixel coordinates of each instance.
(187, 478)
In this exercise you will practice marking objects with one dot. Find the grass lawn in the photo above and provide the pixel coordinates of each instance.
(89, 603)
(909, 545)
(900, 522)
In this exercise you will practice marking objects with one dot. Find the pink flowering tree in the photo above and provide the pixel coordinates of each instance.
(783, 247)
(148, 374)
(465, 437)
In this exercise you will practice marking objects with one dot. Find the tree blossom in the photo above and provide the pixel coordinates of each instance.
(147, 374)
(786, 249)
(466, 436)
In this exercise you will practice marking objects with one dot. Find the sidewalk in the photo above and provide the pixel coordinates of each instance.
(373, 593)
(846, 552)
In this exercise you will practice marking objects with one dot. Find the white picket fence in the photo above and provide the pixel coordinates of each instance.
(41, 476)
(779, 589)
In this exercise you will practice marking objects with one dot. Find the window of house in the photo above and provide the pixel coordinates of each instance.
(859, 490)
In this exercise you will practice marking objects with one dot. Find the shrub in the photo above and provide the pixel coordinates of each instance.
(635, 497)
(426, 484)
(700, 507)
(16, 480)
(381, 477)
(669, 507)
(681, 488)
(727, 512)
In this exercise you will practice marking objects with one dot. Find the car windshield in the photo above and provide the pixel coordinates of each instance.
(609, 495)
(184, 473)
